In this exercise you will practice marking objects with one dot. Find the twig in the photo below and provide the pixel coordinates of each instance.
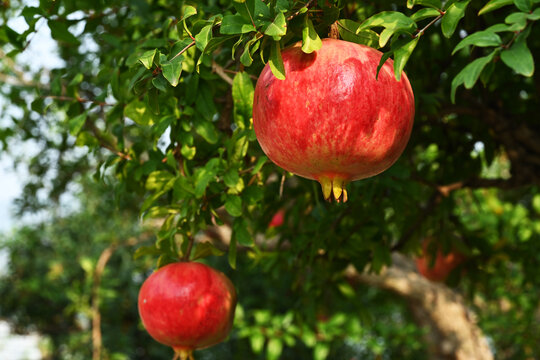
(221, 72)
(183, 50)
(191, 240)
(97, 342)
(67, 98)
(106, 144)
(292, 16)
(421, 31)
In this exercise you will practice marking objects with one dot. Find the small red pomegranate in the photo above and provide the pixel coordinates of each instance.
(277, 219)
(188, 306)
(331, 119)
(437, 270)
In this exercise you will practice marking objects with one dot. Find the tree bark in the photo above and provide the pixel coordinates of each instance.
(452, 332)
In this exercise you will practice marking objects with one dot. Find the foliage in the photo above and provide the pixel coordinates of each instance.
(158, 95)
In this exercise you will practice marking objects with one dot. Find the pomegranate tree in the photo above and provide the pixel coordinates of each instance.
(188, 306)
(332, 119)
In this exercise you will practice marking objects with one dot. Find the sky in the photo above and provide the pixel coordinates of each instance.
(40, 54)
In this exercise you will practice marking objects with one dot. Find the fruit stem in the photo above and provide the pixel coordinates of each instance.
(334, 188)
(191, 239)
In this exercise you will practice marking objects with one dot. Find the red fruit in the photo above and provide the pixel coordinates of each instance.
(439, 269)
(331, 120)
(188, 306)
(277, 219)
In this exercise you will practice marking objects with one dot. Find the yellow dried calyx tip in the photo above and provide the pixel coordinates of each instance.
(334, 188)
(183, 354)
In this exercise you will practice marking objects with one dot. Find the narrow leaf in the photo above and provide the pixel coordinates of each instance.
(147, 59)
(470, 73)
(310, 39)
(451, 18)
(401, 56)
(75, 124)
(188, 12)
(171, 69)
(278, 27)
(276, 62)
(351, 31)
(236, 24)
(494, 5)
(519, 58)
(523, 5)
(60, 32)
(480, 38)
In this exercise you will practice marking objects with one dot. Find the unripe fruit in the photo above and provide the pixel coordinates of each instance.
(188, 306)
(331, 119)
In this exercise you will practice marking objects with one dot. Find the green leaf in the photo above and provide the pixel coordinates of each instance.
(351, 31)
(523, 5)
(242, 93)
(207, 130)
(60, 32)
(390, 20)
(257, 341)
(205, 249)
(146, 250)
(278, 27)
(147, 58)
(203, 37)
(189, 11)
(236, 24)
(401, 56)
(77, 79)
(436, 4)
(310, 39)
(75, 124)
(246, 58)
(171, 69)
(276, 61)
(470, 73)
(241, 233)
(274, 349)
(480, 38)
(160, 83)
(138, 111)
(321, 351)
(451, 18)
(519, 19)
(424, 14)
(494, 5)
(519, 58)
(158, 180)
(233, 205)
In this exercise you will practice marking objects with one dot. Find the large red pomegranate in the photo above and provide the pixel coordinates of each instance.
(188, 306)
(331, 119)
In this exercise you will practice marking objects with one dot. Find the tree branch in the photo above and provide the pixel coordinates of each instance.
(460, 337)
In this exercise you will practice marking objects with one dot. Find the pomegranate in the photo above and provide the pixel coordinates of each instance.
(188, 306)
(277, 219)
(438, 269)
(331, 119)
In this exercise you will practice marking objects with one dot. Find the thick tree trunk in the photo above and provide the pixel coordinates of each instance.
(452, 333)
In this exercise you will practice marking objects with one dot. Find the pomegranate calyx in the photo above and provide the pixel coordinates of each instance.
(334, 188)
(183, 354)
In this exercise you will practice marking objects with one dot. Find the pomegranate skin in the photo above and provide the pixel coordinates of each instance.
(187, 305)
(331, 120)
